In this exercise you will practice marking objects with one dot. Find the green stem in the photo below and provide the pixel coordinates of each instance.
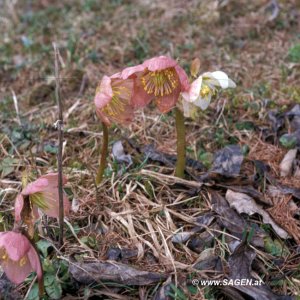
(180, 129)
(104, 153)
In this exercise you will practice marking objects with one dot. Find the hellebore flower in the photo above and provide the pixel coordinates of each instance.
(42, 194)
(160, 79)
(18, 257)
(113, 100)
(203, 88)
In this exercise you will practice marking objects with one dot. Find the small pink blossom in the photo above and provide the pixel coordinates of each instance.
(42, 194)
(160, 79)
(113, 99)
(18, 257)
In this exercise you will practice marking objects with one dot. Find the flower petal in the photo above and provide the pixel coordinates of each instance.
(231, 83)
(127, 72)
(104, 92)
(36, 186)
(222, 78)
(15, 271)
(183, 78)
(15, 244)
(203, 103)
(140, 98)
(186, 108)
(167, 102)
(194, 90)
(35, 262)
(51, 198)
(159, 63)
(53, 179)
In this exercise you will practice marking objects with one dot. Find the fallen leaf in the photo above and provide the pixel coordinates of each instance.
(242, 203)
(117, 254)
(164, 290)
(119, 153)
(90, 272)
(228, 160)
(240, 262)
(295, 111)
(182, 237)
(150, 152)
(250, 191)
(287, 163)
(229, 218)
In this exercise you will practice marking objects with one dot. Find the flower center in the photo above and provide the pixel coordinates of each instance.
(205, 91)
(118, 102)
(3, 255)
(23, 261)
(39, 200)
(5, 258)
(160, 83)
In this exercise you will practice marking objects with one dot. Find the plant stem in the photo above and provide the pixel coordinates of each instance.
(60, 147)
(180, 129)
(104, 153)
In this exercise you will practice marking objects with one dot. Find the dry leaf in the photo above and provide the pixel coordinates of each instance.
(287, 163)
(242, 203)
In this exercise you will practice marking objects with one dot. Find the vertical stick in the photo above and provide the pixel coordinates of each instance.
(180, 129)
(104, 153)
(60, 146)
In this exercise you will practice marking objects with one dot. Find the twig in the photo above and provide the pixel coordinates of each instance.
(16, 106)
(60, 146)
(170, 180)
(103, 157)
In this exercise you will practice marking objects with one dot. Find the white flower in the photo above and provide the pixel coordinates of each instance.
(203, 88)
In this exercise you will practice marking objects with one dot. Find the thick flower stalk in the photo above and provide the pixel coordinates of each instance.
(41, 194)
(181, 143)
(113, 105)
(18, 258)
(203, 89)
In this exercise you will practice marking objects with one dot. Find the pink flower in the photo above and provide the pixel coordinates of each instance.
(18, 257)
(113, 100)
(43, 194)
(160, 79)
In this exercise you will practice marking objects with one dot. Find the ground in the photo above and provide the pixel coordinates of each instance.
(141, 216)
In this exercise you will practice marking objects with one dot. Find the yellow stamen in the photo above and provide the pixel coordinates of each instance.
(39, 200)
(22, 261)
(205, 91)
(117, 105)
(3, 254)
(160, 83)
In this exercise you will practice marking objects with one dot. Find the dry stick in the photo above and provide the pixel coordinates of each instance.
(60, 146)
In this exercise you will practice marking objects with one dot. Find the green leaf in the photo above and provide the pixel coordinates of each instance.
(7, 165)
(34, 293)
(52, 286)
(51, 149)
(43, 246)
(48, 266)
(192, 289)
(275, 247)
(247, 125)
(177, 293)
(206, 158)
(294, 53)
(288, 141)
